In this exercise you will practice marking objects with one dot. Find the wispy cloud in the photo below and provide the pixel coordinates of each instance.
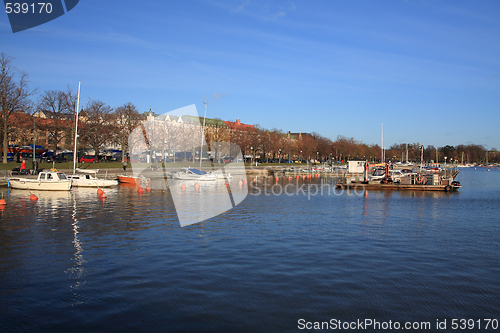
(255, 10)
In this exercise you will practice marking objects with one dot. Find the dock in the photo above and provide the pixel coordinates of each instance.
(397, 187)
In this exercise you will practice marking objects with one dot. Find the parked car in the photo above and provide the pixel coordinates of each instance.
(88, 159)
(57, 159)
(29, 157)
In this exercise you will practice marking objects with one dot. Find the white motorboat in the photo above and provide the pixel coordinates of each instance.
(193, 174)
(47, 181)
(87, 178)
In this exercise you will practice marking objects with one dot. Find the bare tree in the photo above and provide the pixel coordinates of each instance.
(97, 125)
(13, 96)
(126, 119)
(58, 108)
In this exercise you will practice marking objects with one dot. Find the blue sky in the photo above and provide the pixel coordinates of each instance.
(428, 70)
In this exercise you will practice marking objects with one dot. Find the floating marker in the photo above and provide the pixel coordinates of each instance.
(33, 197)
(140, 191)
(100, 192)
(183, 187)
(3, 202)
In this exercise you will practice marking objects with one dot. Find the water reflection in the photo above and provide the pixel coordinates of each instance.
(76, 271)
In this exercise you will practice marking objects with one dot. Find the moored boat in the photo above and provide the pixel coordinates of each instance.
(134, 180)
(47, 181)
(193, 174)
(87, 178)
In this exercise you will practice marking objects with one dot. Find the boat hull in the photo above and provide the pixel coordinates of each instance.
(94, 182)
(32, 184)
(131, 180)
(193, 177)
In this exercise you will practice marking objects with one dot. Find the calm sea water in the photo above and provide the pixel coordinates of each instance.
(70, 262)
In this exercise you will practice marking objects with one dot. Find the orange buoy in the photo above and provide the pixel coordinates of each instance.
(33, 197)
(196, 185)
(227, 184)
(140, 191)
(297, 176)
(148, 188)
(240, 183)
(2, 202)
(277, 179)
(183, 187)
(99, 192)
(255, 179)
(244, 180)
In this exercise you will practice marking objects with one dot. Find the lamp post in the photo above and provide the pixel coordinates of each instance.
(203, 132)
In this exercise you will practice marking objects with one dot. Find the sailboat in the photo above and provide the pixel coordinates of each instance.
(86, 178)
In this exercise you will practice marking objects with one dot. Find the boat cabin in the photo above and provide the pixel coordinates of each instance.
(51, 176)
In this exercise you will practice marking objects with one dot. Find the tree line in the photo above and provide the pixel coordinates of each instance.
(54, 112)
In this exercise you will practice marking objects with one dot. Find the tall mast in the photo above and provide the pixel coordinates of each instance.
(383, 150)
(76, 127)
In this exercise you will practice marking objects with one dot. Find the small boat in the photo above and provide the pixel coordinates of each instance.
(87, 178)
(47, 181)
(134, 180)
(193, 174)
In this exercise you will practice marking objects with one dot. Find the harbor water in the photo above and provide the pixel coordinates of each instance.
(278, 262)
